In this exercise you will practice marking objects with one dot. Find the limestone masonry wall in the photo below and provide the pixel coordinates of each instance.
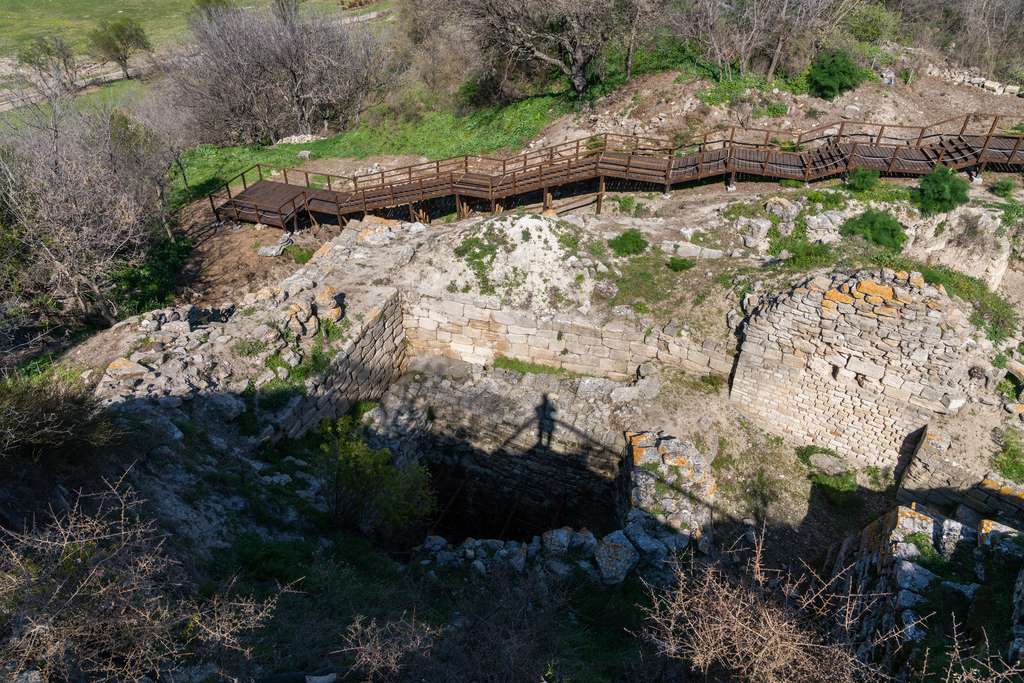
(363, 369)
(857, 364)
(479, 330)
(933, 477)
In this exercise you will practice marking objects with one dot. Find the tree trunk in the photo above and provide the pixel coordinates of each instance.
(184, 176)
(101, 301)
(160, 197)
(124, 69)
(632, 42)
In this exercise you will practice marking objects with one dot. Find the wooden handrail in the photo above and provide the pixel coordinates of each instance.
(555, 162)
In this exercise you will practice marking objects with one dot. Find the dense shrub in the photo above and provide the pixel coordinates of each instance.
(46, 417)
(362, 490)
(941, 190)
(833, 73)
(862, 179)
(678, 264)
(877, 227)
(628, 243)
(1004, 188)
(91, 595)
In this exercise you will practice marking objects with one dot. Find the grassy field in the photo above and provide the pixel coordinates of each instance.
(436, 136)
(164, 20)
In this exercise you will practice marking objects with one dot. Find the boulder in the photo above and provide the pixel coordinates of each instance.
(651, 551)
(828, 464)
(271, 251)
(227, 406)
(783, 208)
(913, 577)
(615, 557)
(556, 541)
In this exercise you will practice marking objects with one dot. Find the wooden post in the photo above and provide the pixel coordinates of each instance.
(259, 169)
(547, 198)
(895, 153)
(967, 119)
(214, 209)
(853, 153)
(1009, 159)
(458, 207)
(412, 216)
(337, 206)
(842, 127)
(295, 217)
(881, 132)
(600, 193)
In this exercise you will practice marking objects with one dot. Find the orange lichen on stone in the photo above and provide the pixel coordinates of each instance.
(326, 296)
(872, 287)
(886, 311)
(916, 279)
(641, 452)
(550, 212)
(838, 297)
(641, 439)
(873, 300)
(828, 304)
(902, 275)
(321, 251)
(1003, 489)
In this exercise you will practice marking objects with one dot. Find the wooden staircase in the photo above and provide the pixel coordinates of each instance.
(278, 197)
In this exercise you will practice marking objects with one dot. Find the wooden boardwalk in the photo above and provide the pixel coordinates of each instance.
(276, 196)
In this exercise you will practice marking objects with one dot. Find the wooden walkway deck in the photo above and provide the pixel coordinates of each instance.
(276, 196)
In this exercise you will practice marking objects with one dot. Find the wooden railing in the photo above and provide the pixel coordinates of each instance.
(601, 154)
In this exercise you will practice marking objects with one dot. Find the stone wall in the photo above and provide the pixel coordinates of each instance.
(541, 444)
(896, 600)
(480, 329)
(857, 364)
(363, 369)
(935, 478)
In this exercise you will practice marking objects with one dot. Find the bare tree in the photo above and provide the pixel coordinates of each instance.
(259, 75)
(570, 35)
(76, 198)
(48, 58)
(92, 596)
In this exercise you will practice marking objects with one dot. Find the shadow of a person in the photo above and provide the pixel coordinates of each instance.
(545, 422)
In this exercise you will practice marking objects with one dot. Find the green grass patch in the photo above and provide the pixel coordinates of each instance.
(479, 252)
(435, 136)
(1009, 461)
(524, 367)
(645, 280)
(249, 347)
(804, 453)
(838, 489)
(299, 255)
(162, 20)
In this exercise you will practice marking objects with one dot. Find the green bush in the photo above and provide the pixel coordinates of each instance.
(832, 73)
(941, 190)
(1004, 188)
(362, 490)
(877, 227)
(678, 264)
(862, 179)
(628, 243)
(777, 110)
